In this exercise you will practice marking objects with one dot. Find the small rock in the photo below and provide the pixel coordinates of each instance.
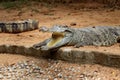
(70, 76)
(10, 69)
(68, 14)
(36, 70)
(73, 24)
(27, 67)
(18, 34)
(30, 35)
(55, 70)
(55, 79)
(60, 75)
(1, 76)
(105, 50)
(82, 75)
(31, 14)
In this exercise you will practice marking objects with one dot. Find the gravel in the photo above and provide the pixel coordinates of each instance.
(57, 70)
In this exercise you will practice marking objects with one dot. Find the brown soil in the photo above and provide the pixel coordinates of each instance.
(56, 15)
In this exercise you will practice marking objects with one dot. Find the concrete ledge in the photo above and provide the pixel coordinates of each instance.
(107, 56)
(23, 50)
(88, 56)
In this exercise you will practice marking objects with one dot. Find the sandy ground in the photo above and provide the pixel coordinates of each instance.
(65, 15)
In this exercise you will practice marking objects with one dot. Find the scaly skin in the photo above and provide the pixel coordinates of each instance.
(66, 36)
(77, 37)
(18, 26)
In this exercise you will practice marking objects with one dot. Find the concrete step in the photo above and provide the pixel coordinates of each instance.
(108, 56)
(90, 55)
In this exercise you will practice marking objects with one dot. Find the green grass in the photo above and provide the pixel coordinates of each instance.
(17, 4)
(14, 4)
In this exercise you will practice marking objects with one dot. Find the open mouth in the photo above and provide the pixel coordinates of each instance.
(56, 38)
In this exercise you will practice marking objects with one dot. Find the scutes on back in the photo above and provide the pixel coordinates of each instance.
(18, 26)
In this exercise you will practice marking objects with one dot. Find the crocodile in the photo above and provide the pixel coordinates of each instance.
(78, 37)
(18, 26)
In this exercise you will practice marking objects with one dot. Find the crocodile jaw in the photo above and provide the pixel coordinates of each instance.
(56, 38)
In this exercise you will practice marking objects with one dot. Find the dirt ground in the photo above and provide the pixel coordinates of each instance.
(71, 15)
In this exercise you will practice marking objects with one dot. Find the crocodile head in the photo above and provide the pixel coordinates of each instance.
(61, 35)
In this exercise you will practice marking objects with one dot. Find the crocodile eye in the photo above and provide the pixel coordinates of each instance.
(69, 31)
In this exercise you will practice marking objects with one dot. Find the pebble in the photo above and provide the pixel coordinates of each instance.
(30, 71)
(82, 75)
(19, 70)
(60, 75)
(55, 79)
(73, 24)
(1, 76)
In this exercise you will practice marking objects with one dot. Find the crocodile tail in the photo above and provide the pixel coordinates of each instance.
(19, 26)
(23, 50)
